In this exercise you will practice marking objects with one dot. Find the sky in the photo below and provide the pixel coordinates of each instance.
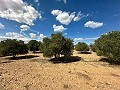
(80, 20)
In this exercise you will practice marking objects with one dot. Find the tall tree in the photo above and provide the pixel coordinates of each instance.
(57, 45)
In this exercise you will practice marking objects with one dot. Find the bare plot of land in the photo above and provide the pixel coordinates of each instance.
(37, 73)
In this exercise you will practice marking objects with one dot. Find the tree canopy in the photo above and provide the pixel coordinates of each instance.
(81, 46)
(12, 47)
(108, 45)
(34, 45)
(57, 45)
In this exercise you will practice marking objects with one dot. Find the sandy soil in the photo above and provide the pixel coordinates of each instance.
(39, 74)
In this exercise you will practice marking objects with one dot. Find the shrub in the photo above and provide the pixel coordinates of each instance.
(81, 46)
(12, 47)
(108, 45)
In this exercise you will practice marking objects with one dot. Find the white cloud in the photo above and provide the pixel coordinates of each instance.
(80, 16)
(24, 27)
(66, 33)
(67, 17)
(13, 35)
(2, 26)
(32, 35)
(63, 17)
(104, 33)
(56, 12)
(117, 15)
(65, 1)
(59, 28)
(19, 11)
(42, 36)
(23, 39)
(81, 39)
(94, 38)
(36, 0)
(58, 0)
(78, 39)
(93, 24)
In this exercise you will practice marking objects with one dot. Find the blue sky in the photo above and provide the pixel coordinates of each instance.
(80, 20)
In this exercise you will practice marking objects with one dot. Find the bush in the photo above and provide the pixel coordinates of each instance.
(57, 45)
(81, 46)
(12, 47)
(108, 45)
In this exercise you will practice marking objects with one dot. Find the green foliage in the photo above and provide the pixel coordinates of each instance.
(41, 46)
(92, 47)
(108, 45)
(12, 47)
(33, 45)
(67, 47)
(57, 45)
(81, 46)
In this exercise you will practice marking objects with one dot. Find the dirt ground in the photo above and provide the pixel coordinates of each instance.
(37, 73)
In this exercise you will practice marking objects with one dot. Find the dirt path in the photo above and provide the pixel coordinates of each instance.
(39, 74)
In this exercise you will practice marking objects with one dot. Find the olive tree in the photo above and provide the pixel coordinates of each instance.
(33, 45)
(108, 45)
(57, 45)
(12, 47)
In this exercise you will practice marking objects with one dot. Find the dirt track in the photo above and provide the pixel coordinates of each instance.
(39, 74)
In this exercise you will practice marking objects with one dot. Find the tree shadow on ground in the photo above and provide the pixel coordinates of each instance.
(7, 61)
(109, 61)
(85, 52)
(22, 57)
(69, 59)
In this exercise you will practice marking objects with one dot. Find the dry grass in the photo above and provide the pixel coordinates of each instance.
(38, 73)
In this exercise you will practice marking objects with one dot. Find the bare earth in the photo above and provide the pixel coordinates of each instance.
(39, 74)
